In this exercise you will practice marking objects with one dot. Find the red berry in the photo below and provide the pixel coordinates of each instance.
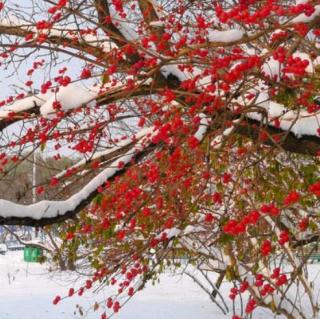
(266, 248)
(85, 74)
(71, 292)
(56, 300)
(292, 198)
(208, 218)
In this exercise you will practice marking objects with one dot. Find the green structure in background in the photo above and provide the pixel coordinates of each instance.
(31, 254)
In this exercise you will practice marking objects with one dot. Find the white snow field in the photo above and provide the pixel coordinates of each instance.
(27, 291)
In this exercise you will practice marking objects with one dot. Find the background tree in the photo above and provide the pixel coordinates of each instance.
(198, 124)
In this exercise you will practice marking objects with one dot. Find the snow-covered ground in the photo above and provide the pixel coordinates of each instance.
(27, 291)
